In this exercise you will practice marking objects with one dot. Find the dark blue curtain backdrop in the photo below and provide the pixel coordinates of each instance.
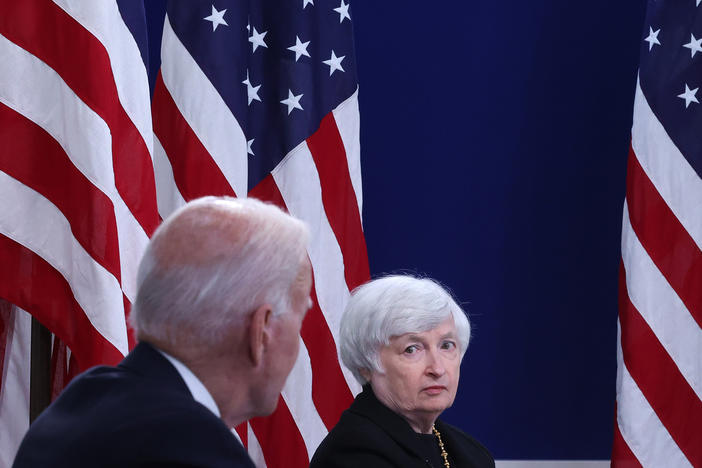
(494, 142)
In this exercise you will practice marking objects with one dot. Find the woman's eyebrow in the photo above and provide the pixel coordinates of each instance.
(413, 337)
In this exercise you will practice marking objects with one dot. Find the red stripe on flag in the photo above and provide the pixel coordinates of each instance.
(194, 171)
(667, 242)
(243, 431)
(288, 450)
(268, 191)
(339, 199)
(33, 157)
(49, 33)
(656, 374)
(326, 370)
(131, 338)
(59, 368)
(29, 282)
(622, 456)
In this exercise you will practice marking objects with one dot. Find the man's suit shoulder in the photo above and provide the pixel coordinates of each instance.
(139, 419)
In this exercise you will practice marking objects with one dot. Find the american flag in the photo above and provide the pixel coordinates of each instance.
(659, 376)
(262, 97)
(257, 98)
(77, 191)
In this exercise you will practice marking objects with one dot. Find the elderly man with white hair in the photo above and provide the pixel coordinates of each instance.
(222, 291)
(403, 338)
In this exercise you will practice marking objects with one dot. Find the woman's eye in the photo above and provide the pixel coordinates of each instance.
(411, 349)
(448, 345)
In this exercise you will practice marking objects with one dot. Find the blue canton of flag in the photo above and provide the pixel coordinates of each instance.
(671, 72)
(280, 66)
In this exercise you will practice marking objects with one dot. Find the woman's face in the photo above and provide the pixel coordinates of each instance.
(421, 372)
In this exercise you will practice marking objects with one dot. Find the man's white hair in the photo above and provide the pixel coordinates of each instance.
(392, 306)
(211, 264)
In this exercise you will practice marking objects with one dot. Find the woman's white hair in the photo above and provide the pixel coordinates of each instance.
(211, 264)
(392, 306)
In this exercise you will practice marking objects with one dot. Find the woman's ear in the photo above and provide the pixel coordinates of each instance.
(365, 373)
(259, 333)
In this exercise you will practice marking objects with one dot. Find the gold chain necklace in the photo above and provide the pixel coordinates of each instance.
(444, 455)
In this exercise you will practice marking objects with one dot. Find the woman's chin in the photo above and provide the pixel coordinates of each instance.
(435, 403)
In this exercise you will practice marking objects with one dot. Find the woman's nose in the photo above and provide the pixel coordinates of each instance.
(434, 364)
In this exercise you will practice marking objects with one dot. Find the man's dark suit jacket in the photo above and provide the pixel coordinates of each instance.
(138, 414)
(370, 435)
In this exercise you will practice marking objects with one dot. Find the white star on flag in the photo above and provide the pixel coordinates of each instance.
(300, 48)
(307, 2)
(343, 11)
(256, 39)
(252, 91)
(217, 18)
(695, 45)
(689, 96)
(293, 102)
(334, 63)
(652, 37)
(248, 146)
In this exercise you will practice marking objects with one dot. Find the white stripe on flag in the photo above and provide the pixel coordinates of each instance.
(103, 19)
(33, 221)
(297, 394)
(14, 394)
(36, 91)
(304, 201)
(167, 193)
(650, 293)
(206, 113)
(668, 174)
(347, 121)
(641, 429)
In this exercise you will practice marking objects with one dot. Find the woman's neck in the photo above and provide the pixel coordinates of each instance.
(420, 425)
(419, 421)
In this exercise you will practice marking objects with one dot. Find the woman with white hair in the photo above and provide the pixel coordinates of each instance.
(403, 338)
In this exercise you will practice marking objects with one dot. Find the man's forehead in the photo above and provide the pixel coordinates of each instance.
(303, 280)
(305, 273)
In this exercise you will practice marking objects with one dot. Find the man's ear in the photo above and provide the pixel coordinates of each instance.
(259, 333)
